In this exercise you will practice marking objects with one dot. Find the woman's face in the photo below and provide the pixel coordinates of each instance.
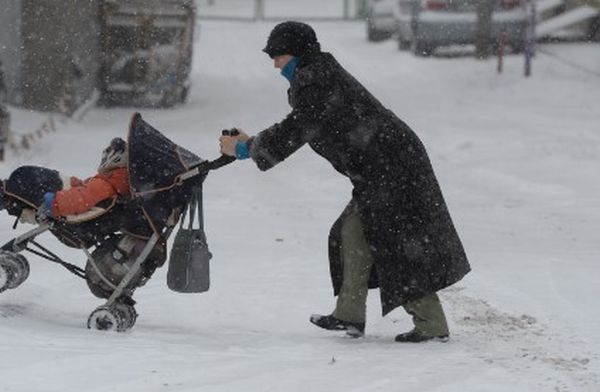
(281, 60)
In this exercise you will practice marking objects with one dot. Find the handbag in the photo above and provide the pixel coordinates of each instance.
(189, 260)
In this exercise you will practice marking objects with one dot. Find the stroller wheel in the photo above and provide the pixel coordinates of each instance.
(106, 318)
(23, 268)
(14, 270)
(127, 313)
(6, 275)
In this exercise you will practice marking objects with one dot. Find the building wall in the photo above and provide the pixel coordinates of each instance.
(60, 54)
(10, 44)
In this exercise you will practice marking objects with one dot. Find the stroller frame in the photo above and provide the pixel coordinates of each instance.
(118, 312)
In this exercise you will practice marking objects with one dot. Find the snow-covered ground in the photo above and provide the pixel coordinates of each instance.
(518, 160)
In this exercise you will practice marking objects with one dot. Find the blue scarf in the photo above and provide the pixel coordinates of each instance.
(288, 70)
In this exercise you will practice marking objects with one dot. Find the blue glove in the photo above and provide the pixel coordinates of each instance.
(45, 210)
(241, 150)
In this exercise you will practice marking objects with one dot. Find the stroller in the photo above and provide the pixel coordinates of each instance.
(124, 240)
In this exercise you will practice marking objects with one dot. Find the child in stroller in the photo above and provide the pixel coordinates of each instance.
(94, 210)
(125, 213)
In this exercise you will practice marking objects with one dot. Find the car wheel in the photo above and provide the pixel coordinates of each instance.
(374, 35)
(518, 47)
(403, 43)
(184, 94)
(422, 49)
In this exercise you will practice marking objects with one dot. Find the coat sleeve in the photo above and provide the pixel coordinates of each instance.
(314, 104)
(79, 199)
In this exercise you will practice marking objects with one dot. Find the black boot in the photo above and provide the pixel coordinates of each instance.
(416, 336)
(331, 323)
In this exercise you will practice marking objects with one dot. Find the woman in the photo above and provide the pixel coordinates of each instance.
(396, 232)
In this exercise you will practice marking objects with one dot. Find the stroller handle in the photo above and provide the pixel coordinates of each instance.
(223, 159)
(220, 162)
(206, 166)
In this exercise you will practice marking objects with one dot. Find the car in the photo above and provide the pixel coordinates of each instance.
(146, 51)
(427, 24)
(381, 22)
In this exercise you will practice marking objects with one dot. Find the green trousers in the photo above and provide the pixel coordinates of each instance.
(427, 313)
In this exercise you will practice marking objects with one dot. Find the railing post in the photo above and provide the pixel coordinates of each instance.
(346, 9)
(501, 46)
(259, 9)
(530, 38)
(361, 9)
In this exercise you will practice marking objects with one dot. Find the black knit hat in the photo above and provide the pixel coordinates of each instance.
(295, 38)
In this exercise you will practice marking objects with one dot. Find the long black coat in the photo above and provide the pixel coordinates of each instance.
(406, 222)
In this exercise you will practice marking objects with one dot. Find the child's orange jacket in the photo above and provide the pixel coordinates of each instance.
(83, 195)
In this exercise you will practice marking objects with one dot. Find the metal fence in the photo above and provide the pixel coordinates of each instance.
(251, 10)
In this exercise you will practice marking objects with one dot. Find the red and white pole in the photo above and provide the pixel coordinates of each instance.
(501, 46)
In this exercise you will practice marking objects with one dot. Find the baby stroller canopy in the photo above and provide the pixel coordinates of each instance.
(155, 162)
(155, 168)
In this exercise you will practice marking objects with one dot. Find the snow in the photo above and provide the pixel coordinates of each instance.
(518, 161)
(569, 18)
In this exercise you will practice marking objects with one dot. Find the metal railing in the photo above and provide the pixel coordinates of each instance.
(272, 10)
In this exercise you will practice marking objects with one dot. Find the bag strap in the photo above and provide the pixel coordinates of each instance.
(192, 209)
(195, 205)
(198, 197)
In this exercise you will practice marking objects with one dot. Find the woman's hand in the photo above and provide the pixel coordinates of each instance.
(227, 143)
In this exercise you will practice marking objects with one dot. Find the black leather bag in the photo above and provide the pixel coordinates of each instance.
(189, 261)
